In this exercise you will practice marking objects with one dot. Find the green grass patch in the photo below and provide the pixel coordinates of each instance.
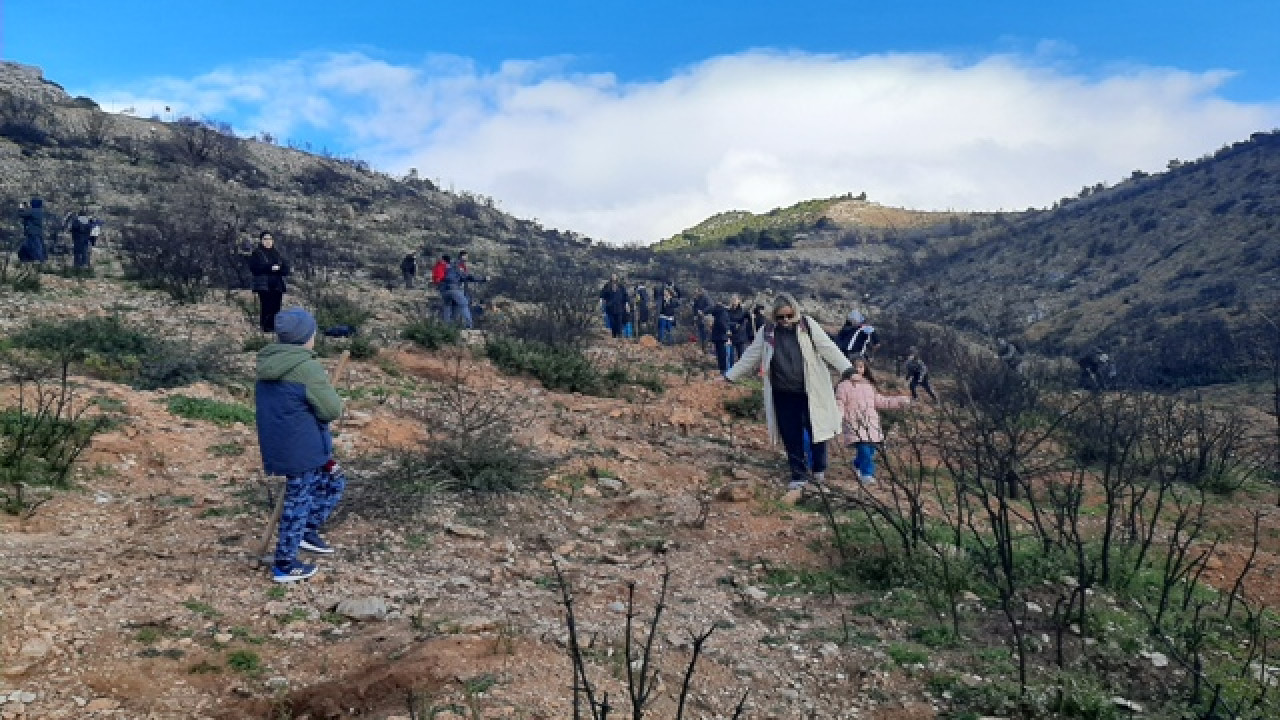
(431, 334)
(214, 411)
(245, 662)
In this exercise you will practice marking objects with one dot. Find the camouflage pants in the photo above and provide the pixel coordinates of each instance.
(309, 498)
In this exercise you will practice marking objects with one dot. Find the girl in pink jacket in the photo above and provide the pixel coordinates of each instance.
(858, 402)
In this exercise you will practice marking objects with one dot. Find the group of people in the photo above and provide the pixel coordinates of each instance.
(450, 277)
(84, 228)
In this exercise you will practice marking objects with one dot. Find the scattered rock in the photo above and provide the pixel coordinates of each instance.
(363, 608)
(463, 531)
(101, 705)
(736, 492)
(1159, 660)
(34, 650)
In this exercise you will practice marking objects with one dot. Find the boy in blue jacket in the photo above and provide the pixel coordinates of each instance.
(294, 405)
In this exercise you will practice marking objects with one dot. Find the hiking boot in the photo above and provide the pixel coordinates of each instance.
(867, 479)
(819, 478)
(794, 491)
(293, 572)
(312, 542)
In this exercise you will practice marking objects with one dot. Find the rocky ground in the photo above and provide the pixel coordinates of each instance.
(137, 594)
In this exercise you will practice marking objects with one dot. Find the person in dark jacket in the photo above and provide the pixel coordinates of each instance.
(740, 331)
(667, 309)
(32, 216)
(294, 404)
(453, 292)
(720, 341)
(758, 321)
(84, 228)
(857, 338)
(918, 375)
(616, 304)
(269, 271)
(409, 269)
(642, 308)
(701, 306)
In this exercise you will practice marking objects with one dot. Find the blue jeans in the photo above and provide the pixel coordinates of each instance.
(309, 499)
(791, 411)
(455, 301)
(724, 357)
(666, 330)
(864, 459)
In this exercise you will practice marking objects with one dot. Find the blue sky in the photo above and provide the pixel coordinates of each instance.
(632, 120)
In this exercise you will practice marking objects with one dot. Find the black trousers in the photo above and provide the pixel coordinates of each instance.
(791, 410)
(268, 305)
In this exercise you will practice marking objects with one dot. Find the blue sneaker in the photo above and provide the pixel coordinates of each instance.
(293, 572)
(312, 542)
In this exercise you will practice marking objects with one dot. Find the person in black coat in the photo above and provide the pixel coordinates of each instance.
(32, 216)
(642, 308)
(616, 304)
(720, 336)
(269, 271)
(740, 331)
(667, 309)
(409, 268)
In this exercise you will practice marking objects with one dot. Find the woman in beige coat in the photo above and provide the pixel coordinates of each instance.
(792, 356)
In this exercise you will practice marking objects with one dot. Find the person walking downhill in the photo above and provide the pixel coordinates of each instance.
(720, 339)
(269, 271)
(859, 403)
(667, 309)
(294, 404)
(701, 306)
(857, 338)
(918, 375)
(792, 356)
(740, 331)
(616, 304)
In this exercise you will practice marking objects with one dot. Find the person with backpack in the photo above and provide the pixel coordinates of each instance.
(409, 269)
(439, 270)
(32, 217)
(84, 229)
(667, 309)
(792, 356)
(616, 304)
(857, 338)
(269, 270)
(918, 375)
(859, 403)
(294, 402)
(453, 292)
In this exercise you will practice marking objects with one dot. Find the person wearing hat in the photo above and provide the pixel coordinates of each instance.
(857, 338)
(294, 405)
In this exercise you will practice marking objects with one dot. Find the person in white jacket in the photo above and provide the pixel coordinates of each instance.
(794, 357)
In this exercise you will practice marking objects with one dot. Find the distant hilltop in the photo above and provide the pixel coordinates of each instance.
(821, 221)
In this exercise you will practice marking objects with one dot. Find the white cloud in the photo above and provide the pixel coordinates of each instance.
(633, 162)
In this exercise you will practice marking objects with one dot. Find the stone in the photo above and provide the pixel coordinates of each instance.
(737, 492)
(1035, 608)
(34, 650)
(363, 608)
(1129, 705)
(1159, 660)
(610, 484)
(755, 593)
(277, 608)
(463, 531)
(617, 607)
(223, 638)
(476, 624)
(101, 705)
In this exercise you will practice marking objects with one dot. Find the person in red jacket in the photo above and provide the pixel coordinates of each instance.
(440, 269)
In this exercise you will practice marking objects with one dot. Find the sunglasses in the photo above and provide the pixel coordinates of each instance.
(784, 317)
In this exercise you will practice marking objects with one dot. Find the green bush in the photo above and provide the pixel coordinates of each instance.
(557, 368)
(214, 411)
(108, 348)
(362, 348)
(333, 309)
(26, 279)
(38, 446)
(749, 406)
(431, 334)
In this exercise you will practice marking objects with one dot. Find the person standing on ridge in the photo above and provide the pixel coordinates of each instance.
(642, 308)
(740, 331)
(85, 229)
(701, 306)
(409, 269)
(453, 292)
(616, 304)
(667, 309)
(32, 216)
(720, 339)
(269, 271)
(792, 357)
(294, 404)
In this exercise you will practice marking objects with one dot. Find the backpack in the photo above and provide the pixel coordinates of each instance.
(438, 271)
(864, 332)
